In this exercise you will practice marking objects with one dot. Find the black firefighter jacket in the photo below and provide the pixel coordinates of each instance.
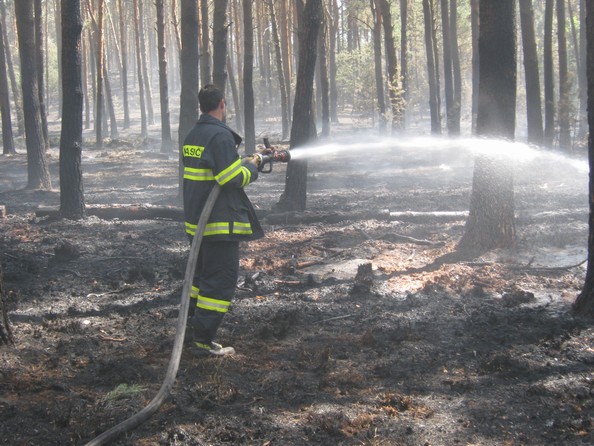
(210, 157)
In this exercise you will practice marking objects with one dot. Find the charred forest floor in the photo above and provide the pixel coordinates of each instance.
(424, 346)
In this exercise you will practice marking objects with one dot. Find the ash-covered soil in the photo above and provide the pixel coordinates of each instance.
(422, 346)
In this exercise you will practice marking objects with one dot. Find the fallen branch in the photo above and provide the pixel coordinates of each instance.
(122, 212)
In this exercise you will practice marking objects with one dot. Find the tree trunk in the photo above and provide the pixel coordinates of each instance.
(37, 169)
(248, 77)
(324, 80)
(280, 72)
(124, 51)
(549, 89)
(188, 113)
(7, 138)
(58, 27)
(6, 336)
(434, 102)
(379, 73)
(391, 64)
(39, 59)
(474, 19)
(205, 56)
(332, 66)
(163, 87)
(219, 46)
(148, 94)
(235, 94)
(99, 58)
(584, 303)
(14, 86)
(72, 204)
(533, 102)
(303, 129)
(564, 82)
(490, 223)
(456, 70)
(582, 76)
(448, 79)
(404, 59)
(140, 72)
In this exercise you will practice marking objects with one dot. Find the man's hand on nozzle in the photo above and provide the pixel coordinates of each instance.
(255, 159)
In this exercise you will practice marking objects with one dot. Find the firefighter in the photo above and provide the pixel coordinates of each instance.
(210, 157)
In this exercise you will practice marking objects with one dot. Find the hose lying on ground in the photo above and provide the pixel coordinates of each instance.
(178, 343)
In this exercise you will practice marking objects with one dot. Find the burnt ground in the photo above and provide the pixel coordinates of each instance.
(429, 347)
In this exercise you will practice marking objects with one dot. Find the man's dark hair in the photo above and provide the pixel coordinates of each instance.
(209, 98)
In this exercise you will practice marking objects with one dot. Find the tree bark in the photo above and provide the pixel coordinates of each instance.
(394, 93)
(205, 56)
(332, 66)
(248, 77)
(7, 138)
(456, 70)
(434, 102)
(39, 59)
(448, 79)
(190, 54)
(219, 47)
(404, 58)
(564, 82)
(72, 203)
(324, 79)
(549, 89)
(490, 223)
(37, 169)
(379, 73)
(163, 86)
(474, 19)
(16, 90)
(533, 102)
(140, 71)
(285, 120)
(148, 94)
(584, 303)
(124, 51)
(6, 336)
(303, 129)
(99, 99)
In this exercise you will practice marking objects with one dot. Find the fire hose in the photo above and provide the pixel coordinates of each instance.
(178, 343)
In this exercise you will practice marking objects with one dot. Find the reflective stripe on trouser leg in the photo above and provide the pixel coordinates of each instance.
(217, 280)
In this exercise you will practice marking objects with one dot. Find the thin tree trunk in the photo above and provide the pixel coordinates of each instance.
(533, 102)
(85, 74)
(564, 82)
(280, 72)
(7, 138)
(474, 13)
(14, 86)
(448, 78)
(72, 203)
(124, 52)
(39, 58)
(434, 105)
(235, 95)
(549, 89)
(148, 94)
(205, 56)
(332, 66)
(140, 73)
(456, 70)
(391, 64)
(582, 73)
(99, 99)
(163, 87)
(404, 58)
(37, 169)
(248, 76)
(379, 73)
(58, 25)
(219, 47)
(324, 80)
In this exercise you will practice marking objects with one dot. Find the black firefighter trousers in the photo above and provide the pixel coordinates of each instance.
(214, 284)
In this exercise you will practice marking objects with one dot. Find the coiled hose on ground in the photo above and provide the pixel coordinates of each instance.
(178, 343)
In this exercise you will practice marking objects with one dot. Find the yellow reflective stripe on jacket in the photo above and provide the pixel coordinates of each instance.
(208, 303)
(229, 173)
(242, 228)
(220, 228)
(217, 228)
(195, 292)
(191, 173)
(247, 176)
